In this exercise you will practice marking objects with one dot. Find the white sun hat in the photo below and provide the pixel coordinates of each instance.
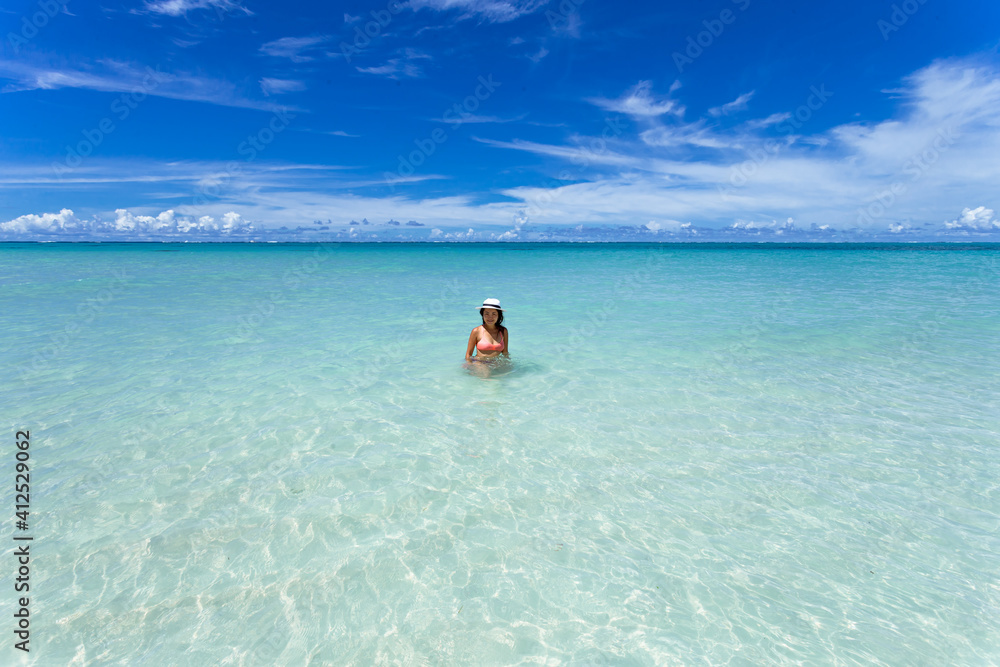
(491, 303)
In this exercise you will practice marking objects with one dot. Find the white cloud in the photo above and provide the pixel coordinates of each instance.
(494, 11)
(392, 68)
(294, 48)
(939, 149)
(46, 223)
(667, 226)
(569, 25)
(233, 221)
(538, 55)
(739, 104)
(750, 178)
(132, 80)
(952, 97)
(773, 119)
(576, 154)
(168, 222)
(280, 86)
(474, 118)
(125, 225)
(774, 225)
(404, 65)
(975, 219)
(182, 7)
(639, 102)
(693, 134)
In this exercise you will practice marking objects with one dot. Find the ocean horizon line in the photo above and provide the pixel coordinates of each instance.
(701, 242)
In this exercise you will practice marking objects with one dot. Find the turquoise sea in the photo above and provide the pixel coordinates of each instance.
(699, 455)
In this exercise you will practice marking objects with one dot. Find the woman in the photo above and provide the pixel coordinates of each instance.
(490, 340)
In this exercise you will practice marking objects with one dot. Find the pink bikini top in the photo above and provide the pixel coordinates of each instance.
(491, 347)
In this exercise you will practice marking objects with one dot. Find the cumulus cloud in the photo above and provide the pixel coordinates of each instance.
(46, 223)
(773, 226)
(124, 226)
(978, 219)
(667, 226)
(168, 222)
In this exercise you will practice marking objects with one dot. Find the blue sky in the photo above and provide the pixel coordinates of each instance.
(499, 120)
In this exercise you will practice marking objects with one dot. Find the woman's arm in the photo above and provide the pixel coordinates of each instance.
(506, 342)
(472, 344)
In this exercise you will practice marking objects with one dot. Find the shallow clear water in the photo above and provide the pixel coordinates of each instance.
(700, 455)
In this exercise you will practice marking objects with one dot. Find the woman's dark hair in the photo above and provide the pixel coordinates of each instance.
(499, 318)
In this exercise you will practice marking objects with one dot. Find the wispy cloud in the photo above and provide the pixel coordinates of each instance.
(739, 104)
(473, 118)
(493, 11)
(579, 155)
(280, 86)
(639, 102)
(688, 134)
(566, 24)
(182, 175)
(118, 77)
(294, 48)
(406, 65)
(936, 155)
(182, 7)
(933, 161)
(538, 55)
(773, 119)
(393, 69)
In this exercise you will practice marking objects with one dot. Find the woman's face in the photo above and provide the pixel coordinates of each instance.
(489, 315)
